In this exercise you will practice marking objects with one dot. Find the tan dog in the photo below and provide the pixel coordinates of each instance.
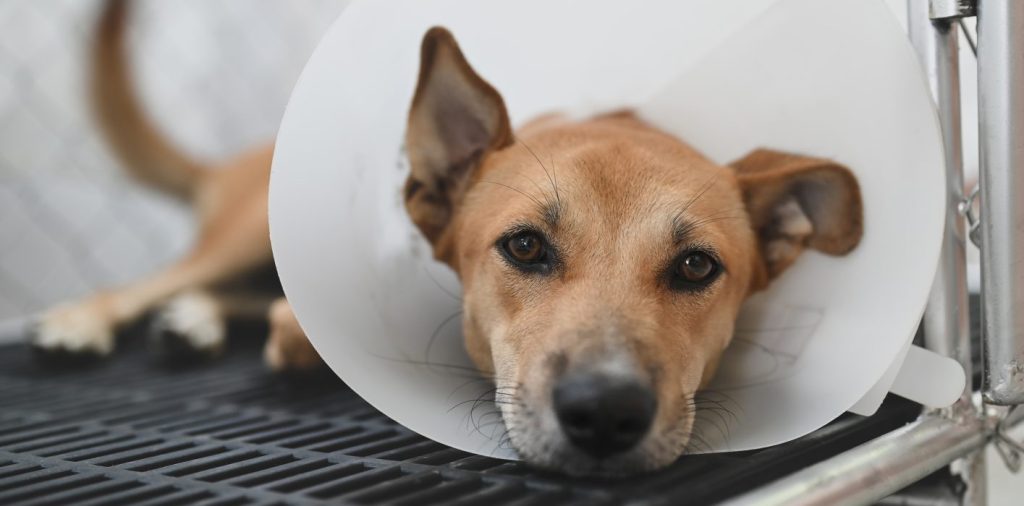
(229, 271)
(603, 262)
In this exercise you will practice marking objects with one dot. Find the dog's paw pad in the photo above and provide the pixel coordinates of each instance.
(189, 326)
(71, 334)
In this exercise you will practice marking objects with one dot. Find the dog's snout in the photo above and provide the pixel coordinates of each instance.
(603, 415)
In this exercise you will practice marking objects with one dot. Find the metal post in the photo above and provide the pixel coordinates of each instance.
(1001, 129)
(934, 34)
(946, 320)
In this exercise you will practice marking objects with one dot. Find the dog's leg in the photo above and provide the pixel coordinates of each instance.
(194, 323)
(190, 324)
(89, 327)
(287, 347)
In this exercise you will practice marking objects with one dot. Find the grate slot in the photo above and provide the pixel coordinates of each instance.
(240, 433)
(78, 494)
(378, 447)
(42, 404)
(316, 478)
(247, 395)
(34, 434)
(510, 469)
(360, 438)
(342, 409)
(86, 409)
(142, 453)
(476, 463)
(356, 482)
(133, 496)
(445, 456)
(543, 498)
(395, 489)
(19, 424)
(37, 474)
(198, 420)
(332, 433)
(35, 445)
(12, 470)
(26, 400)
(494, 493)
(104, 440)
(443, 493)
(279, 473)
(232, 423)
(178, 457)
(183, 498)
(418, 448)
(252, 466)
(109, 451)
(134, 417)
(272, 436)
(57, 482)
(213, 462)
(237, 500)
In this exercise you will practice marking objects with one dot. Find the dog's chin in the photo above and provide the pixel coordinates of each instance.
(542, 444)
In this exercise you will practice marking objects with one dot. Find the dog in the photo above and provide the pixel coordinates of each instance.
(228, 273)
(603, 261)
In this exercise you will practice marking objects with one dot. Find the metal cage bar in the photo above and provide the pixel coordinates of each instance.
(934, 35)
(946, 320)
(880, 467)
(1001, 144)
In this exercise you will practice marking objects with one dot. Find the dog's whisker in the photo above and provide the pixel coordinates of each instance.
(440, 286)
(517, 190)
(437, 332)
(551, 179)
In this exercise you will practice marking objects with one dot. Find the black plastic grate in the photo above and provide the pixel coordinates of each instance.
(134, 431)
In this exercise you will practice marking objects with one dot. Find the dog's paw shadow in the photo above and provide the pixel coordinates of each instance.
(63, 359)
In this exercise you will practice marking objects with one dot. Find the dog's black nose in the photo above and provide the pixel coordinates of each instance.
(603, 415)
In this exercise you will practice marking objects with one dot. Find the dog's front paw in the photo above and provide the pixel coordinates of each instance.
(287, 348)
(72, 332)
(190, 325)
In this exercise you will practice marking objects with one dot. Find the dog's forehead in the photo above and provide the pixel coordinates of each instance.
(616, 169)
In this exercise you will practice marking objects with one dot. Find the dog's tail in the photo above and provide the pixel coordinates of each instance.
(136, 141)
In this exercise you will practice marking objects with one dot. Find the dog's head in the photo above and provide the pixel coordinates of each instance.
(603, 262)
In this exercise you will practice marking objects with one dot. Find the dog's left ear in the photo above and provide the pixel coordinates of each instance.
(456, 119)
(797, 202)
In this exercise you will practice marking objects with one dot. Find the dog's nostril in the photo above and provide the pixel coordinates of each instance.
(630, 426)
(603, 415)
(576, 421)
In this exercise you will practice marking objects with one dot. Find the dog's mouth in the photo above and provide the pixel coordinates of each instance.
(594, 425)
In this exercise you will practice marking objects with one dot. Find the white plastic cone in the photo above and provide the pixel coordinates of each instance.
(833, 79)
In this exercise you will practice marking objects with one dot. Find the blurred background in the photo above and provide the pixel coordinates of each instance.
(214, 74)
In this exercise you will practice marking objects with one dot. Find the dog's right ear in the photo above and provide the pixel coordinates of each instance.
(455, 120)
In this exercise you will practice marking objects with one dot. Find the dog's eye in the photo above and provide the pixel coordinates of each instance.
(525, 247)
(527, 251)
(694, 269)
